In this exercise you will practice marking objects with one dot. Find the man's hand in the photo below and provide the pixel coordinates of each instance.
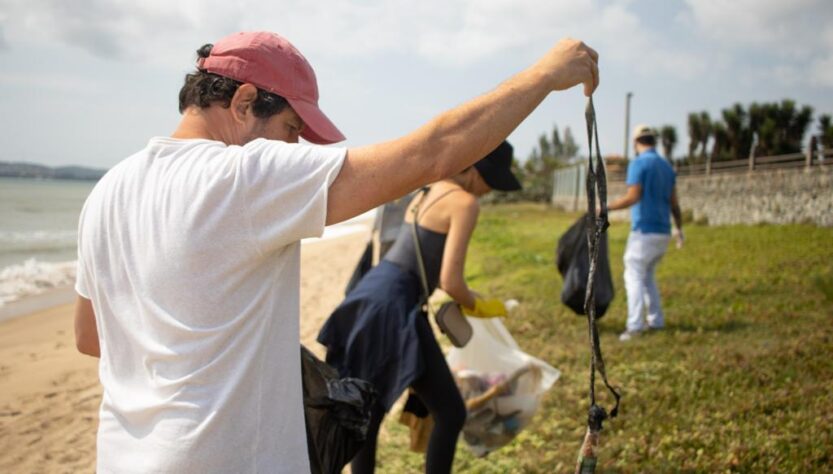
(678, 235)
(572, 62)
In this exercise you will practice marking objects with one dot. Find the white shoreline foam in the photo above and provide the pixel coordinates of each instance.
(32, 277)
(38, 238)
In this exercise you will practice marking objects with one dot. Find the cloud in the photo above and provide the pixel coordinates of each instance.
(485, 29)
(785, 26)
(473, 30)
(794, 36)
(625, 37)
(458, 33)
(821, 72)
(115, 29)
(449, 34)
(4, 45)
(153, 30)
(63, 84)
(821, 68)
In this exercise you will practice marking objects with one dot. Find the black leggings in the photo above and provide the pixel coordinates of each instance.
(439, 393)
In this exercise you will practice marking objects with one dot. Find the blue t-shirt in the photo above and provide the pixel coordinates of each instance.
(652, 214)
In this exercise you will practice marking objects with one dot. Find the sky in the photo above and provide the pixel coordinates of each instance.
(88, 82)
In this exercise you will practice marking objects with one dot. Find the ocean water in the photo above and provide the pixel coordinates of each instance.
(39, 232)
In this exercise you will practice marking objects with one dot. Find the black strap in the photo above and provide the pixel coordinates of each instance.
(596, 182)
(422, 274)
(424, 195)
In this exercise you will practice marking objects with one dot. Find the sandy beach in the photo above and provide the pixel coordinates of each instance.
(49, 393)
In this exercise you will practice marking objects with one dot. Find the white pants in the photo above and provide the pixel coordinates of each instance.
(642, 254)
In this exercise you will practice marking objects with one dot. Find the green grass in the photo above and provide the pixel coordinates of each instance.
(740, 381)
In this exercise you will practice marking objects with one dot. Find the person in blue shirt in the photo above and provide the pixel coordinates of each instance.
(652, 196)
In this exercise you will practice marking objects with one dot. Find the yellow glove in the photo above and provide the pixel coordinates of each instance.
(491, 308)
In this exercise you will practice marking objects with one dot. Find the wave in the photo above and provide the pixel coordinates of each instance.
(38, 240)
(33, 277)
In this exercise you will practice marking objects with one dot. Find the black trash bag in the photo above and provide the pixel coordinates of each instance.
(364, 266)
(337, 414)
(572, 258)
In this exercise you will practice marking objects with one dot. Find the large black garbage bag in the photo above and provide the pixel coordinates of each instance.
(573, 263)
(337, 414)
(364, 266)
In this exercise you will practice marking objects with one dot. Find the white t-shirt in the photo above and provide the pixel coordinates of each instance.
(189, 251)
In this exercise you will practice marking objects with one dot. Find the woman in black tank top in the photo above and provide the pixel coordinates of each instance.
(379, 332)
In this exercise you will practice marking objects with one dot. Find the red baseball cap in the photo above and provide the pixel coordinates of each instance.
(270, 62)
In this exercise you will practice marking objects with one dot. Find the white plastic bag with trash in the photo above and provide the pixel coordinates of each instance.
(501, 384)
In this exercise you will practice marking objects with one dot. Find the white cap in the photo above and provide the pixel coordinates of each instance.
(643, 130)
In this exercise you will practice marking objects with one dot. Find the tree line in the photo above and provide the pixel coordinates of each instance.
(765, 129)
(772, 128)
(553, 151)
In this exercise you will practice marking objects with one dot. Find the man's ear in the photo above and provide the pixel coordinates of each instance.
(241, 102)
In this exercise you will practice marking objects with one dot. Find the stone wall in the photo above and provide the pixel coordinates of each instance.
(778, 196)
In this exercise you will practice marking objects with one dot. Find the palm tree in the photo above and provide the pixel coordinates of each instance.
(668, 137)
(798, 128)
(694, 134)
(737, 133)
(549, 155)
(763, 124)
(781, 126)
(826, 132)
(757, 114)
(705, 132)
(720, 146)
(767, 137)
(784, 115)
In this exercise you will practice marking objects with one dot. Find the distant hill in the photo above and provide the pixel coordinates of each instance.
(31, 170)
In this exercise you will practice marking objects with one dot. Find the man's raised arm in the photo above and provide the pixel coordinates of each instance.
(456, 139)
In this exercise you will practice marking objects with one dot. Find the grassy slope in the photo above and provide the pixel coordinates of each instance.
(739, 381)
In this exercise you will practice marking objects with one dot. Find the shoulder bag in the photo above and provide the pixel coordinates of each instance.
(449, 317)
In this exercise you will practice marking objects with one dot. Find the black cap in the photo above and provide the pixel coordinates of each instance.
(496, 169)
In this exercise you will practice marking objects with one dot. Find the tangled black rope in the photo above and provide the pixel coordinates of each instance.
(597, 224)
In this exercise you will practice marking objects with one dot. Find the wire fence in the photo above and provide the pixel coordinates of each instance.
(759, 163)
(568, 187)
(568, 182)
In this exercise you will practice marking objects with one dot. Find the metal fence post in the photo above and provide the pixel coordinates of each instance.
(577, 171)
(811, 149)
(555, 187)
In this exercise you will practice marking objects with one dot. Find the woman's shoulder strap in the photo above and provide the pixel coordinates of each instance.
(446, 193)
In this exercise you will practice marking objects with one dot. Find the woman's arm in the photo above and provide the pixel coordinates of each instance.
(462, 220)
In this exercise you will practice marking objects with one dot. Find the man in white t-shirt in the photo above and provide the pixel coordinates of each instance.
(188, 250)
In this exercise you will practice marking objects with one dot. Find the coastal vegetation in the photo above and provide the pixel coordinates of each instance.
(35, 171)
(737, 382)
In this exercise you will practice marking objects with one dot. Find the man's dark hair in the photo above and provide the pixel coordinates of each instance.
(647, 140)
(202, 89)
